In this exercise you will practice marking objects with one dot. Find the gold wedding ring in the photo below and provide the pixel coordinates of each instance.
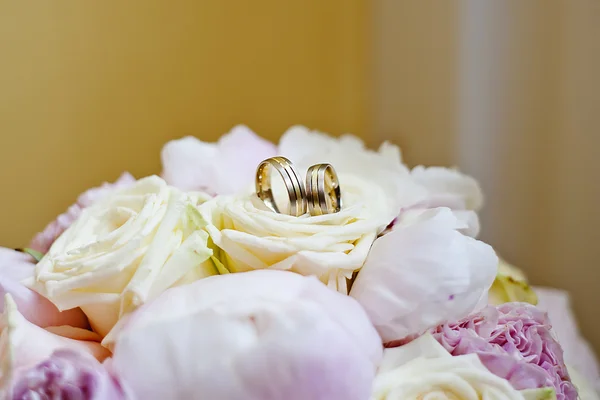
(291, 179)
(323, 190)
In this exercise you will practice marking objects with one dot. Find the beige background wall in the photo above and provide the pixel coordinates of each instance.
(415, 53)
(89, 89)
(510, 92)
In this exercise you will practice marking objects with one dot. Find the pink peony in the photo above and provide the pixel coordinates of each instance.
(256, 335)
(422, 274)
(16, 267)
(67, 374)
(43, 240)
(225, 167)
(515, 342)
(23, 344)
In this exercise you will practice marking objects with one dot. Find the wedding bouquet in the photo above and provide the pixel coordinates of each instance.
(315, 269)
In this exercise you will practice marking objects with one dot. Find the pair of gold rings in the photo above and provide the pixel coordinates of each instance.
(320, 194)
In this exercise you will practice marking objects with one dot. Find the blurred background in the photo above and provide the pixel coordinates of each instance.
(509, 91)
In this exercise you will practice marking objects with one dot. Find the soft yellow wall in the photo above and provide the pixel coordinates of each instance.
(416, 59)
(89, 89)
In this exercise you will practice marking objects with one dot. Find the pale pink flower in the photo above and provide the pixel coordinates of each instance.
(43, 240)
(423, 273)
(578, 352)
(225, 167)
(23, 344)
(15, 267)
(260, 335)
(378, 179)
(448, 188)
(515, 342)
(67, 374)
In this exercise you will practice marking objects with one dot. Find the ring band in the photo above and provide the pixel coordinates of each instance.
(323, 190)
(291, 179)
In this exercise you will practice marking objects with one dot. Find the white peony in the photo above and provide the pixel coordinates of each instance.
(125, 250)
(423, 273)
(448, 188)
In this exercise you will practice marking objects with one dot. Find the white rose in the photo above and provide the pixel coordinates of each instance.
(250, 237)
(374, 186)
(423, 369)
(125, 250)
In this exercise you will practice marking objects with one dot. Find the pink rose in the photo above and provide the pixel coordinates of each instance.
(260, 335)
(24, 344)
(67, 374)
(43, 240)
(515, 342)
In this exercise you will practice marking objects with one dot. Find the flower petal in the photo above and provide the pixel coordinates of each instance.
(43, 240)
(577, 351)
(514, 341)
(23, 344)
(423, 273)
(67, 375)
(125, 250)
(422, 369)
(506, 289)
(226, 167)
(449, 188)
(255, 335)
(15, 267)
(330, 247)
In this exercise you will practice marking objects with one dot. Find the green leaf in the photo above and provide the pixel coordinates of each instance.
(34, 253)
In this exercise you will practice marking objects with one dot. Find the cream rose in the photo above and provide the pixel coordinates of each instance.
(125, 250)
(251, 237)
(423, 369)
(374, 184)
